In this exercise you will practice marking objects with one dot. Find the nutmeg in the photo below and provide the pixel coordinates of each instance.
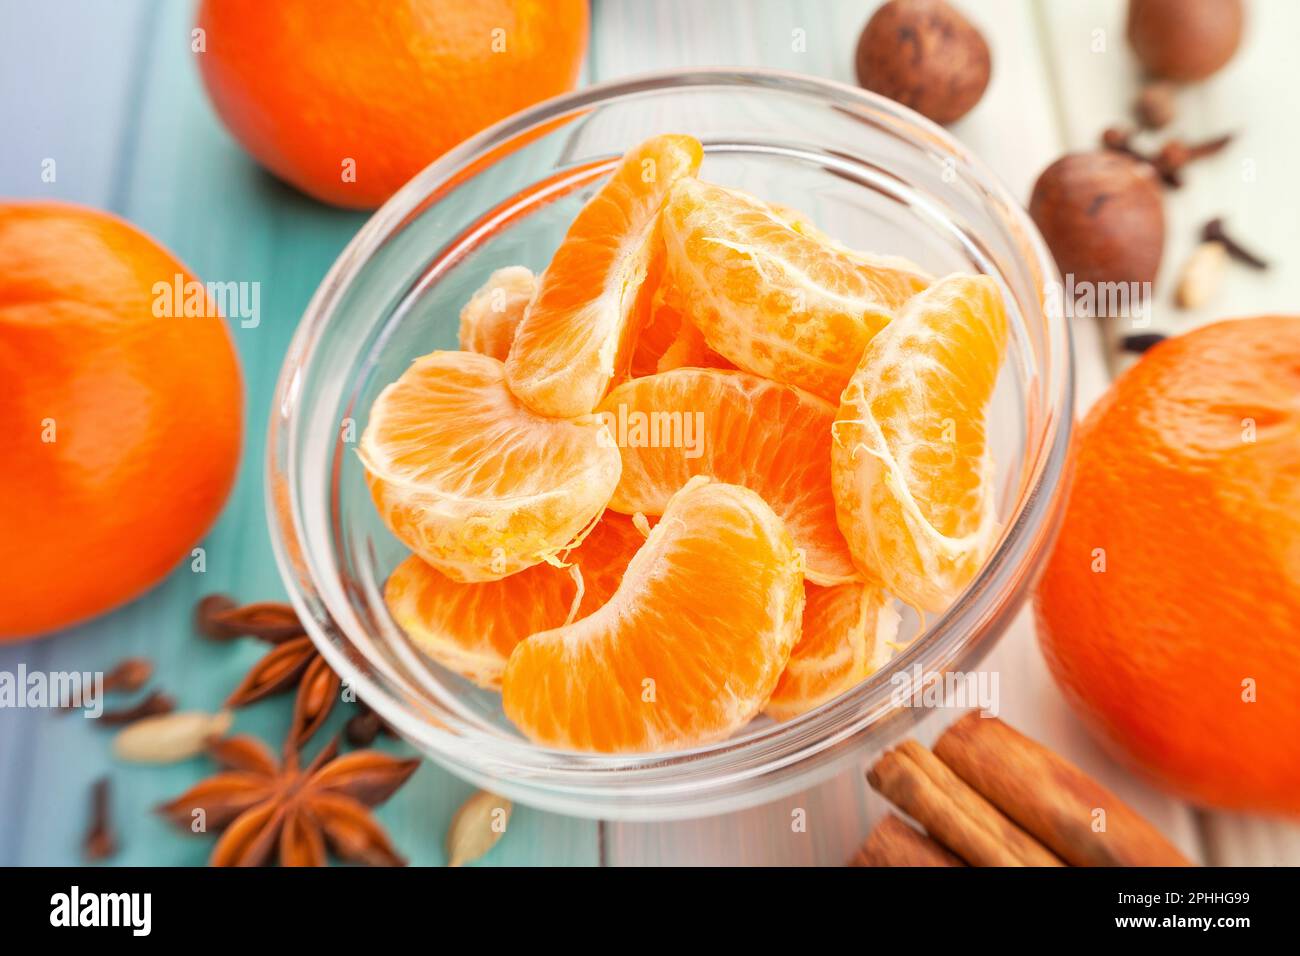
(925, 55)
(1102, 215)
(1184, 40)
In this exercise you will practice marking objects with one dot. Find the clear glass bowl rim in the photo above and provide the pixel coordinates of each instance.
(573, 779)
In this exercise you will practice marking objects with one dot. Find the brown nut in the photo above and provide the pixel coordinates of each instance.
(925, 55)
(1184, 40)
(1102, 215)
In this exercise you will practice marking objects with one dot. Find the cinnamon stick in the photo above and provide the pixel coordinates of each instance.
(895, 843)
(953, 813)
(1051, 798)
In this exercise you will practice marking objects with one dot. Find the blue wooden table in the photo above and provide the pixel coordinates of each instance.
(111, 93)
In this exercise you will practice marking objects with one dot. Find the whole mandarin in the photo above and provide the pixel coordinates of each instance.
(120, 427)
(1170, 609)
(347, 100)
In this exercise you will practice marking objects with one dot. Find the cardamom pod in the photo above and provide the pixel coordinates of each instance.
(477, 826)
(1201, 275)
(169, 738)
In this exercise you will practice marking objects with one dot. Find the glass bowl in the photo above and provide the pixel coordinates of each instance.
(871, 173)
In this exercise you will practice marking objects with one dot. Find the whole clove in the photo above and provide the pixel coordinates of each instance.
(155, 704)
(100, 841)
(1213, 231)
(1139, 342)
(126, 677)
(1121, 141)
(129, 675)
(1175, 154)
(1171, 158)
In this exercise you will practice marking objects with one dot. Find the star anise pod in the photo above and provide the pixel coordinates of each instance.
(264, 804)
(219, 618)
(295, 662)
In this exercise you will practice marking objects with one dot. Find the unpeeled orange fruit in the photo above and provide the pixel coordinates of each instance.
(1170, 609)
(775, 300)
(847, 635)
(121, 423)
(737, 428)
(913, 475)
(348, 100)
(489, 319)
(578, 333)
(689, 647)
(474, 482)
(472, 628)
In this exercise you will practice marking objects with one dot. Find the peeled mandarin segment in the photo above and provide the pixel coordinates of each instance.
(577, 333)
(847, 630)
(669, 340)
(738, 428)
(474, 482)
(602, 558)
(472, 628)
(657, 333)
(489, 319)
(913, 477)
(688, 649)
(771, 298)
(914, 277)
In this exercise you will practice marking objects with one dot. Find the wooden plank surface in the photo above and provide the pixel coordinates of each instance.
(1251, 184)
(109, 92)
(841, 812)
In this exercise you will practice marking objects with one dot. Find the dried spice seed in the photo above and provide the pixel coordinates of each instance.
(170, 737)
(271, 621)
(477, 826)
(1201, 276)
(317, 691)
(280, 669)
(265, 805)
(1139, 342)
(206, 612)
(1176, 154)
(100, 841)
(1213, 231)
(129, 675)
(365, 725)
(362, 728)
(1120, 140)
(1169, 160)
(295, 663)
(154, 705)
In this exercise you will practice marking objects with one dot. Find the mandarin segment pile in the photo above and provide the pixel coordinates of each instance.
(801, 423)
(754, 432)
